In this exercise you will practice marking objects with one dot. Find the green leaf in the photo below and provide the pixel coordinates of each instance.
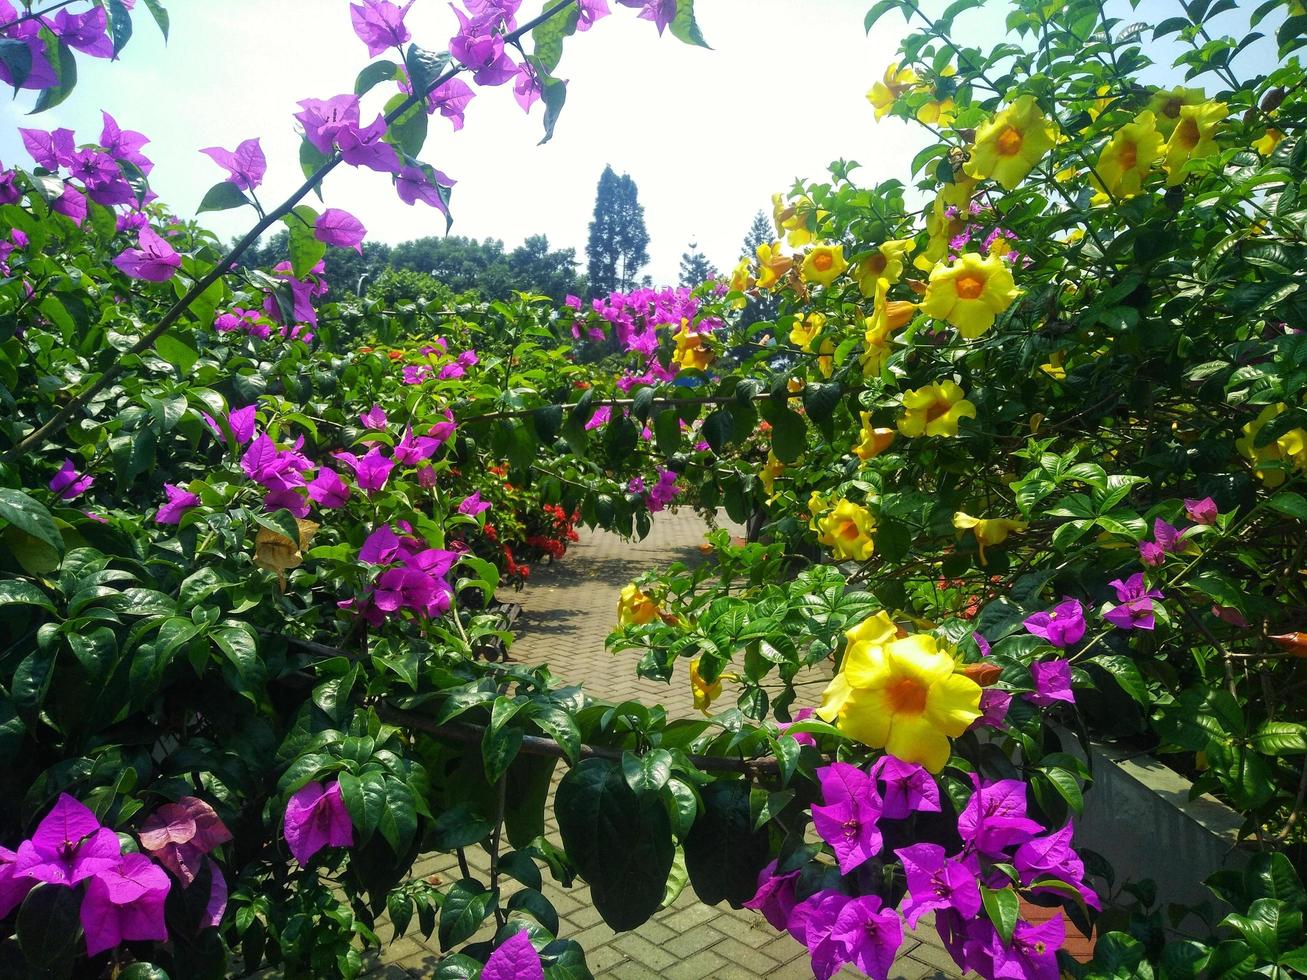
(1271, 875)
(424, 67)
(1280, 738)
(176, 352)
(48, 925)
(717, 429)
(548, 38)
(374, 75)
(17, 58)
(305, 249)
(15, 592)
(647, 773)
(160, 16)
(723, 851)
(498, 750)
(1290, 504)
(534, 904)
(120, 25)
(282, 522)
(684, 27)
(29, 516)
(1125, 672)
(365, 799)
(1269, 927)
(408, 130)
(788, 433)
(466, 906)
(667, 431)
(553, 92)
(620, 843)
(61, 57)
(398, 821)
(223, 196)
(877, 12)
(1001, 906)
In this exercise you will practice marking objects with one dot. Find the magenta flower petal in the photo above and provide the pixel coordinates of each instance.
(340, 228)
(125, 903)
(776, 896)
(154, 261)
(316, 818)
(245, 166)
(69, 845)
(1052, 683)
(12, 889)
(514, 959)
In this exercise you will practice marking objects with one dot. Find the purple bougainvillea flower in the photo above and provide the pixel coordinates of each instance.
(602, 415)
(426, 476)
(1064, 626)
(12, 890)
(451, 372)
(86, 32)
(1202, 511)
(1135, 611)
(514, 959)
(479, 47)
(413, 185)
(273, 468)
(379, 24)
(125, 903)
(374, 418)
(325, 119)
(381, 547)
(364, 147)
(473, 505)
(178, 503)
(328, 490)
(936, 881)
(50, 150)
(908, 788)
(450, 100)
(994, 818)
(179, 835)
(1167, 540)
(69, 846)
(847, 820)
(661, 12)
(124, 144)
(245, 166)
(776, 896)
(68, 484)
(1033, 952)
(526, 87)
(663, 492)
(241, 421)
(812, 923)
(982, 644)
(72, 205)
(994, 705)
(782, 727)
(1052, 683)
(217, 903)
(42, 75)
(1052, 856)
(589, 11)
(96, 169)
(316, 818)
(442, 431)
(288, 498)
(340, 228)
(412, 450)
(870, 936)
(155, 260)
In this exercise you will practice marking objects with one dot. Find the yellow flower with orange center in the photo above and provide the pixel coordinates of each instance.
(1167, 106)
(691, 351)
(1283, 453)
(890, 88)
(634, 608)
(824, 264)
(1009, 145)
(900, 693)
(872, 441)
(805, 331)
(796, 220)
(847, 529)
(772, 265)
(934, 410)
(1192, 138)
(887, 316)
(1128, 156)
(988, 531)
(970, 293)
(883, 265)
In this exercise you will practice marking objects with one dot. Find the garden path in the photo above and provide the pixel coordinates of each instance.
(569, 609)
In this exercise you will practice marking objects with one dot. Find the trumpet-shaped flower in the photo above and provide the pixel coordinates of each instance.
(796, 220)
(1268, 141)
(691, 351)
(1009, 145)
(890, 88)
(887, 316)
(1128, 156)
(903, 695)
(934, 410)
(806, 330)
(1273, 461)
(772, 265)
(872, 441)
(988, 531)
(634, 608)
(770, 471)
(847, 531)
(704, 692)
(1167, 106)
(1192, 138)
(885, 264)
(824, 264)
(970, 293)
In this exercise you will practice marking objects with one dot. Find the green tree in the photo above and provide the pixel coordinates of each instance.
(618, 247)
(760, 233)
(765, 305)
(695, 267)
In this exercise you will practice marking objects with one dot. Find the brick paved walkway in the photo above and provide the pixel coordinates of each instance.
(569, 609)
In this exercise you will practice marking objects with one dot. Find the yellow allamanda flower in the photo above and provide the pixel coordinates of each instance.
(887, 316)
(805, 331)
(883, 265)
(824, 264)
(772, 265)
(872, 441)
(1054, 366)
(818, 505)
(704, 693)
(1166, 106)
(939, 112)
(826, 358)
(741, 280)
(846, 529)
(1128, 156)
(1102, 102)
(634, 608)
(770, 471)
(691, 351)
(886, 92)
(1288, 450)
(1268, 142)
(1192, 138)
(988, 531)
(940, 227)
(970, 292)
(796, 220)
(934, 410)
(1009, 145)
(902, 694)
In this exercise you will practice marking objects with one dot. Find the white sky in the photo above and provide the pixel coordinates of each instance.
(708, 136)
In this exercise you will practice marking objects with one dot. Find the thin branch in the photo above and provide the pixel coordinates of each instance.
(61, 418)
(615, 403)
(36, 15)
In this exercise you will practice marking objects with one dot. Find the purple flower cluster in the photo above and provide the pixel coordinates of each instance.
(68, 483)
(124, 896)
(413, 576)
(86, 32)
(316, 818)
(839, 928)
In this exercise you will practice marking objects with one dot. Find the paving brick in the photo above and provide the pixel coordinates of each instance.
(700, 937)
(703, 965)
(637, 948)
(745, 956)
